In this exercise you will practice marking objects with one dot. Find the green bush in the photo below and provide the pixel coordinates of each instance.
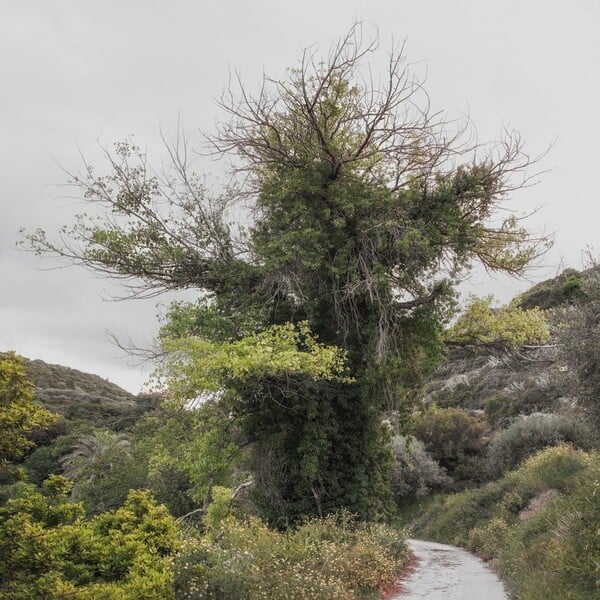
(534, 395)
(485, 541)
(455, 438)
(568, 287)
(556, 552)
(507, 326)
(553, 468)
(49, 551)
(415, 472)
(526, 436)
(500, 409)
(449, 519)
(579, 336)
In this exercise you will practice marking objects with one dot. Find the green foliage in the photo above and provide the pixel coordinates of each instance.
(290, 395)
(329, 559)
(20, 416)
(572, 289)
(83, 398)
(195, 365)
(538, 525)
(509, 326)
(558, 550)
(95, 455)
(526, 436)
(206, 319)
(303, 460)
(579, 336)
(49, 551)
(219, 509)
(555, 467)
(199, 445)
(415, 472)
(454, 438)
(44, 461)
(103, 467)
(502, 408)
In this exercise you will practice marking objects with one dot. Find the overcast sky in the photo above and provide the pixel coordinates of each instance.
(75, 72)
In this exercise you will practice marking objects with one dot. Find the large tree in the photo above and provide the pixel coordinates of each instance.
(361, 210)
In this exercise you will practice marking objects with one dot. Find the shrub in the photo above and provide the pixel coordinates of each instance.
(568, 287)
(449, 519)
(553, 468)
(454, 437)
(534, 394)
(415, 472)
(20, 416)
(480, 324)
(526, 436)
(579, 337)
(500, 409)
(484, 541)
(50, 551)
(327, 559)
(556, 553)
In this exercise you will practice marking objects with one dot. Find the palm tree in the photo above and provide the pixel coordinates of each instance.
(95, 455)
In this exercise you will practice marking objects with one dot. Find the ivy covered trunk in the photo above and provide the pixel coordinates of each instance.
(318, 447)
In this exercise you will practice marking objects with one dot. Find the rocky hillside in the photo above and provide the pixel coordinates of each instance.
(502, 383)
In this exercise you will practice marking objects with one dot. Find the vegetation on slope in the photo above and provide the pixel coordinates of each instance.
(20, 416)
(126, 546)
(566, 288)
(538, 516)
(85, 398)
(538, 525)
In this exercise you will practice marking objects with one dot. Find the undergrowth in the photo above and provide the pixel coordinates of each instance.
(328, 559)
(538, 525)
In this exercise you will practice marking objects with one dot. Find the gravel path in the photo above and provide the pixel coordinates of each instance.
(448, 573)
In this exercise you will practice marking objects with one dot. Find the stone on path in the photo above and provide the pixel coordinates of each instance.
(448, 573)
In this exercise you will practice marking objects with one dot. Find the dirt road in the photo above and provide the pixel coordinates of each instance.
(447, 573)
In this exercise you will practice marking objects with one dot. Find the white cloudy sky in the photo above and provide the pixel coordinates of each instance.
(73, 72)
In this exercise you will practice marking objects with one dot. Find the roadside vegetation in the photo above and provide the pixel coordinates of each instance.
(537, 525)
(88, 533)
(531, 506)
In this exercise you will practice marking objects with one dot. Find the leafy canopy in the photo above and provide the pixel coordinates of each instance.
(509, 325)
(194, 365)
